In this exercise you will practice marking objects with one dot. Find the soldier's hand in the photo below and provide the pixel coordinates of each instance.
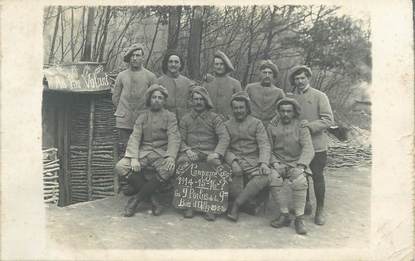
(192, 155)
(280, 168)
(169, 163)
(303, 123)
(264, 169)
(212, 156)
(135, 165)
(295, 173)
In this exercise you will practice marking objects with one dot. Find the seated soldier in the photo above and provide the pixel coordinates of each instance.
(291, 153)
(248, 153)
(154, 143)
(204, 136)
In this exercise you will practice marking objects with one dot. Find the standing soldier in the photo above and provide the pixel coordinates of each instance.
(177, 85)
(317, 112)
(264, 94)
(204, 136)
(291, 153)
(248, 153)
(128, 96)
(154, 144)
(222, 87)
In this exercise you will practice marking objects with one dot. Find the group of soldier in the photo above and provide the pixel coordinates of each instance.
(269, 139)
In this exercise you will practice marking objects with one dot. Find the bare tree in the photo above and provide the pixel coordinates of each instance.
(175, 13)
(195, 39)
(55, 32)
(86, 55)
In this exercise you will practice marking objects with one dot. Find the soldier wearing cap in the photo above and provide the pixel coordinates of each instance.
(291, 153)
(264, 94)
(317, 112)
(154, 144)
(248, 153)
(129, 91)
(204, 136)
(222, 86)
(177, 85)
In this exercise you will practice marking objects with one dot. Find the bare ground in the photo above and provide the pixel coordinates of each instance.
(100, 225)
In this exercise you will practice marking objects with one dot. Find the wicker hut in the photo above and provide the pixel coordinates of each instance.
(77, 120)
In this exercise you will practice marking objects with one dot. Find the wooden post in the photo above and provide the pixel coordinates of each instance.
(62, 106)
(66, 144)
(90, 141)
(116, 159)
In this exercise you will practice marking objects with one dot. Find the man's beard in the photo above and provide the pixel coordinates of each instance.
(155, 106)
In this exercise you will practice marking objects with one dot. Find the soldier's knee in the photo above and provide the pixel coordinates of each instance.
(300, 183)
(260, 181)
(275, 179)
(236, 169)
(214, 162)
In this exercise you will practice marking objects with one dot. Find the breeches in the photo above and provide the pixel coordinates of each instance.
(150, 161)
(298, 185)
(200, 157)
(244, 175)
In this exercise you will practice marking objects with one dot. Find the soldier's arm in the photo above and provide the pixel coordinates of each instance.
(325, 116)
(307, 152)
(237, 87)
(183, 125)
(263, 144)
(273, 159)
(132, 150)
(173, 143)
(117, 91)
(223, 136)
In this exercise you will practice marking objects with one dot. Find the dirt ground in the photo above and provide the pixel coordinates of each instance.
(100, 225)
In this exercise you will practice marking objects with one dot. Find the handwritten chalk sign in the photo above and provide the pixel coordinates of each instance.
(82, 77)
(201, 187)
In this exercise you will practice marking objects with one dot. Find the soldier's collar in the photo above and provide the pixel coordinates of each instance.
(202, 115)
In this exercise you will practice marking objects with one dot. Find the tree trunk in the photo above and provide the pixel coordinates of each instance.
(270, 35)
(62, 38)
(95, 48)
(153, 41)
(55, 32)
(194, 43)
(105, 34)
(72, 43)
(175, 13)
(86, 55)
(250, 43)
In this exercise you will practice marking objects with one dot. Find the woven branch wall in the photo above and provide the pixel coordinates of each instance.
(101, 161)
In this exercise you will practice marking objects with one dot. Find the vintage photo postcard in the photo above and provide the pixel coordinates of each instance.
(266, 130)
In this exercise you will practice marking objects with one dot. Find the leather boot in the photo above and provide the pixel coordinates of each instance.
(282, 221)
(156, 206)
(132, 204)
(188, 213)
(234, 213)
(209, 216)
(319, 217)
(300, 226)
(308, 209)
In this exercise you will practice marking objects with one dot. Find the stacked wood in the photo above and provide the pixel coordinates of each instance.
(50, 176)
(348, 153)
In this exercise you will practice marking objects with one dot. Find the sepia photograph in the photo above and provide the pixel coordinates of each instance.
(142, 104)
(214, 129)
